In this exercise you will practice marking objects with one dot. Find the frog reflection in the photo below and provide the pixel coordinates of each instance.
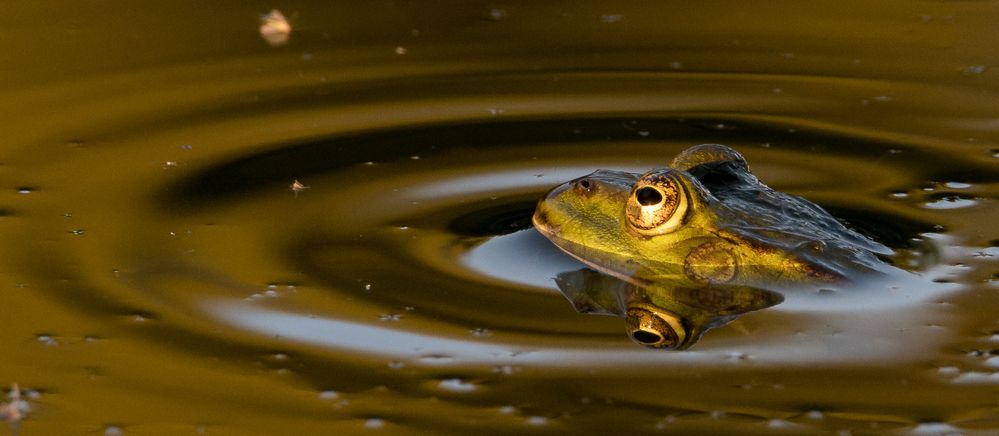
(662, 316)
(704, 229)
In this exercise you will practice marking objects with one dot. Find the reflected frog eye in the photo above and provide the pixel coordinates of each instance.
(657, 205)
(654, 328)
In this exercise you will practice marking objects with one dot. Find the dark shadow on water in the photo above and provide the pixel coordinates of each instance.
(283, 162)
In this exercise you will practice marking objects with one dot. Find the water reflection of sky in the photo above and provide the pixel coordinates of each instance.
(843, 338)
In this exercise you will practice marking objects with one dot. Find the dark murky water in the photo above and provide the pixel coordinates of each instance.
(161, 276)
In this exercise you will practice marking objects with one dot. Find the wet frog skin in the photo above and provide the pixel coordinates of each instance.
(705, 226)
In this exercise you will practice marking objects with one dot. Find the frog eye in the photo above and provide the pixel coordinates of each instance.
(657, 204)
(655, 329)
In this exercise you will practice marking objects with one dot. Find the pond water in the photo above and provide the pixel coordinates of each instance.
(210, 233)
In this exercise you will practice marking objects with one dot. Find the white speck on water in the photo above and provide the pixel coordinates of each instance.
(735, 355)
(976, 377)
(456, 385)
(503, 369)
(395, 364)
(328, 395)
(507, 410)
(611, 18)
(973, 69)
(537, 420)
(899, 195)
(389, 317)
(950, 202)
(481, 332)
(374, 423)
(367, 286)
(663, 423)
(815, 414)
(24, 191)
(77, 232)
(957, 185)
(497, 14)
(948, 371)
(113, 430)
(400, 50)
(779, 424)
(47, 340)
(935, 428)
(992, 362)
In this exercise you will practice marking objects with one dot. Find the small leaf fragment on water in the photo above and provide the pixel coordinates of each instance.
(15, 410)
(297, 187)
(275, 28)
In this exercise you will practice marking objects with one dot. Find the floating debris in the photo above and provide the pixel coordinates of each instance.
(15, 410)
(275, 28)
(297, 187)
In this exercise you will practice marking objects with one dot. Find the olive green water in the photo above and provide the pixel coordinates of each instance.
(160, 276)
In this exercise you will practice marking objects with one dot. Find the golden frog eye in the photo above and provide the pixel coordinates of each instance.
(657, 204)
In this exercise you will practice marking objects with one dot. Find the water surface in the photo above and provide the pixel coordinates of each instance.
(162, 276)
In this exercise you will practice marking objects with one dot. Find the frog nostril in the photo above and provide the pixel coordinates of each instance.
(585, 185)
(648, 196)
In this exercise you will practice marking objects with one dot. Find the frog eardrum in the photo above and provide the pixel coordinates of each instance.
(657, 205)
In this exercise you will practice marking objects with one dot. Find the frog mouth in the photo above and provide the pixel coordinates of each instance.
(585, 254)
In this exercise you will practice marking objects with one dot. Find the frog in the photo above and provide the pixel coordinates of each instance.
(690, 247)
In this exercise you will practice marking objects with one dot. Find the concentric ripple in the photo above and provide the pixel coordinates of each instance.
(403, 258)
